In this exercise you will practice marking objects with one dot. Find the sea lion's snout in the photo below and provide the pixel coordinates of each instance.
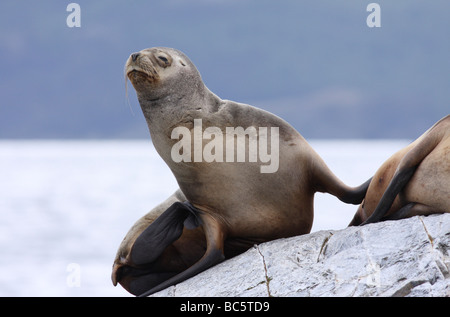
(135, 56)
(128, 275)
(141, 69)
(138, 280)
(116, 274)
(118, 269)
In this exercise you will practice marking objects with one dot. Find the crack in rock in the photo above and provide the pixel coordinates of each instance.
(407, 288)
(268, 279)
(391, 258)
(323, 247)
(426, 231)
(438, 252)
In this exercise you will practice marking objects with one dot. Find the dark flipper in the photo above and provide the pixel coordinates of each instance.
(413, 209)
(207, 261)
(355, 195)
(214, 254)
(405, 170)
(398, 182)
(166, 229)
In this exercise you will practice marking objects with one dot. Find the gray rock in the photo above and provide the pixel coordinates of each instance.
(409, 257)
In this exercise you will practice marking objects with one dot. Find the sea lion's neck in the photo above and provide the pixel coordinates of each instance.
(178, 109)
(164, 114)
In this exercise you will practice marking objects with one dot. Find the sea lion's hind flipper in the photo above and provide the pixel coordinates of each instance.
(411, 210)
(355, 195)
(398, 182)
(324, 181)
(166, 229)
(405, 171)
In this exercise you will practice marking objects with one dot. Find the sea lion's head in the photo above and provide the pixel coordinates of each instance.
(177, 257)
(135, 278)
(138, 276)
(159, 72)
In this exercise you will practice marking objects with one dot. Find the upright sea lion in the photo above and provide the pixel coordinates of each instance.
(414, 181)
(235, 197)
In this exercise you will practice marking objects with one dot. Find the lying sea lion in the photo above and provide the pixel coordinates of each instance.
(414, 181)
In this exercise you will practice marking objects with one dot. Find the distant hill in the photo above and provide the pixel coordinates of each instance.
(314, 63)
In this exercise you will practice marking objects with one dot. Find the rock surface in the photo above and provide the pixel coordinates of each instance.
(409, 257)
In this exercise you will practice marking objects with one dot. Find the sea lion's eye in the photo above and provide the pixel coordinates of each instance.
(165, 60)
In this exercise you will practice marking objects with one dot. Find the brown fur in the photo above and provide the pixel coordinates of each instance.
(238, 205)
(428, 190)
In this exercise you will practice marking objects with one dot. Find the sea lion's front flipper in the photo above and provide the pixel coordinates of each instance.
(215, 236)
(166, 229)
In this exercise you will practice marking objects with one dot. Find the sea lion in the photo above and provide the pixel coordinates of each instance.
(236, 202)
(414, 181)
(177, 257)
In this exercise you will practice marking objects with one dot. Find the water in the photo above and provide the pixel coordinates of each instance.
(65, 206)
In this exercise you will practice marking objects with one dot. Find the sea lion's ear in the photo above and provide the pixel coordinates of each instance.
(166, 229)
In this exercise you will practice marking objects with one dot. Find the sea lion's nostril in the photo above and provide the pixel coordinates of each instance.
(135, 56)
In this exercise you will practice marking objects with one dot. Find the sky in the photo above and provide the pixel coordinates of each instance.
(317, 64)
